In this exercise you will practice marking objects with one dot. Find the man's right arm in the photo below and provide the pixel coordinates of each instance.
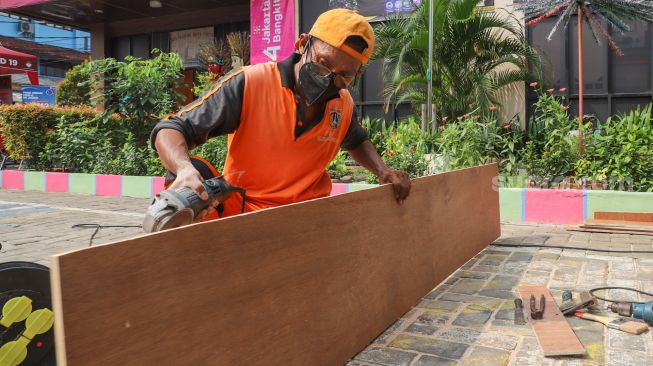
(215, 113)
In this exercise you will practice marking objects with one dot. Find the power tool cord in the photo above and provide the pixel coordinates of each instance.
(590, 250)
(97, 228)
(619, 288)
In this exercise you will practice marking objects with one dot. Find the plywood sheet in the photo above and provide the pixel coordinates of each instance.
(624, 216)
(306, 284)
(555, 336)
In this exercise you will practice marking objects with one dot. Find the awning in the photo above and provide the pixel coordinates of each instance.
(12, 4)
(14, 62)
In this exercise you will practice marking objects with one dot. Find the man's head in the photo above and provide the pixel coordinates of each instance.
(334, 51)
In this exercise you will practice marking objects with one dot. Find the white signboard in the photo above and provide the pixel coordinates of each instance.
(187, 43)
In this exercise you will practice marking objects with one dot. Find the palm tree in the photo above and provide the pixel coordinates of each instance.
(478, 56)
(589, 11)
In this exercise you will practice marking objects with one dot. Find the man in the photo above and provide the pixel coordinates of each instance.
(286, 121)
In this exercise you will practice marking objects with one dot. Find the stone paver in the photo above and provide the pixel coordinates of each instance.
(34, 225)
(483, 289)
(466, 320)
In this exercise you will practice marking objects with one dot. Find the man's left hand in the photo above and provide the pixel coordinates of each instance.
(400, 183)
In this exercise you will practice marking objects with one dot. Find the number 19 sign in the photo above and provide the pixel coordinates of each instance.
(272, 30)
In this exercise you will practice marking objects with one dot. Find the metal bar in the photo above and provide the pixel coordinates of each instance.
(429, 72)
(580, 80)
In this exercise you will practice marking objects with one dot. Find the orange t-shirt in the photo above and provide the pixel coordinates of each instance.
(266, 159)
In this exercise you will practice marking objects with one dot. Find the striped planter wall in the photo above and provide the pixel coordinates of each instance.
(517, 204)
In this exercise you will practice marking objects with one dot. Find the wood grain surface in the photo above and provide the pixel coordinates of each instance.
(555, 336)
(624, 216)
(311, 283)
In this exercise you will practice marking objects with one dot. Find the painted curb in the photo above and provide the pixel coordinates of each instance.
(552, 206)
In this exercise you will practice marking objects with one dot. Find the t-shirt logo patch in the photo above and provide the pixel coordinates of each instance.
(335, 118)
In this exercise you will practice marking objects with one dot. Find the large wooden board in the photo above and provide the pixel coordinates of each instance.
(306, 284)
(555, 336)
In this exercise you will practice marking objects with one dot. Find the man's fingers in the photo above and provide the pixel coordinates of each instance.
(199, 189)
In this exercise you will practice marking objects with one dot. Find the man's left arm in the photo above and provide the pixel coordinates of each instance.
(360, 148)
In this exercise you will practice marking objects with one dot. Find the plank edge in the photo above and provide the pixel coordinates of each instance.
(57, 308)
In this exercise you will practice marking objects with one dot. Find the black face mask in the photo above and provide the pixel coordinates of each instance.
(314, 87)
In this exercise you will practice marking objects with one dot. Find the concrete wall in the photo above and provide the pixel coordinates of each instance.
(563, 206)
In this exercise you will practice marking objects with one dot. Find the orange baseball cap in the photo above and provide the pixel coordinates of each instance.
(336, 25)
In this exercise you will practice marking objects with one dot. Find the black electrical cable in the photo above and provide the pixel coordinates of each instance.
(97, 228)
(619, 288)
(576, 248)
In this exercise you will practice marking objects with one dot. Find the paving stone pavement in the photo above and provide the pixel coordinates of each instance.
(35, 225)
(466, 320)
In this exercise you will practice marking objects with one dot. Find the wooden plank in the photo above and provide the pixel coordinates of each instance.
(306, 284)
(619, 224)
(624, 216)
(555, 336)
(590, 229)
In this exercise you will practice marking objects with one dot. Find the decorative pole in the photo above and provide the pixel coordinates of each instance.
(429, 72)
(580, 80)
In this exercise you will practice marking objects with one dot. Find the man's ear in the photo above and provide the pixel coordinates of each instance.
(302, 42)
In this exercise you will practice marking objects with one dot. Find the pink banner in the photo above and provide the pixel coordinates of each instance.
(12, 4)
(272, 30)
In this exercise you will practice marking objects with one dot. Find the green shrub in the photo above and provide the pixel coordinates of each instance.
(214, 151)
(75, 89)
(203, 82)
(79, 141)
(551, 147)
(142, 91)
(620, 152)
(337, 168)
(25, 129)
(403, 148)
(128, 159)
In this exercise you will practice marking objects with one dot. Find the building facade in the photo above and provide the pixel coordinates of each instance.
(119, 28)
(57, 47)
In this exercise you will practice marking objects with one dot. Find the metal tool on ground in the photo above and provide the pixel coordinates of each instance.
(519, 312)
(537, 313)
(638, 310)
(553, 332)
(642, 311)
(171, 208)
(621, 324)
(569, 306)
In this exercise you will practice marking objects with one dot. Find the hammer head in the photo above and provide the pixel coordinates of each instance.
(586, 300)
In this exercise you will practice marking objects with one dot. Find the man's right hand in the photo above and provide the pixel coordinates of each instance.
(191, 178)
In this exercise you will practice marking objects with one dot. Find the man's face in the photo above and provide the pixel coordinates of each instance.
(331, 60)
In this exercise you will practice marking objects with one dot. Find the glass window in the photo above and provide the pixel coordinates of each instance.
(552, 52)
(373, 82)
(625, 105)
(141, 46)
(591, 107)
(120, 48)
(631, 73)
(595, 68)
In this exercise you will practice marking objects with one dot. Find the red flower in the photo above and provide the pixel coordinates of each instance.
(492, 108)
(441, 127)
(533, 84)
(551, 90)
(562, 89)
(506, 126)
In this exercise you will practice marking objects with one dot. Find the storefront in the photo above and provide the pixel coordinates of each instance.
(121, 27)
